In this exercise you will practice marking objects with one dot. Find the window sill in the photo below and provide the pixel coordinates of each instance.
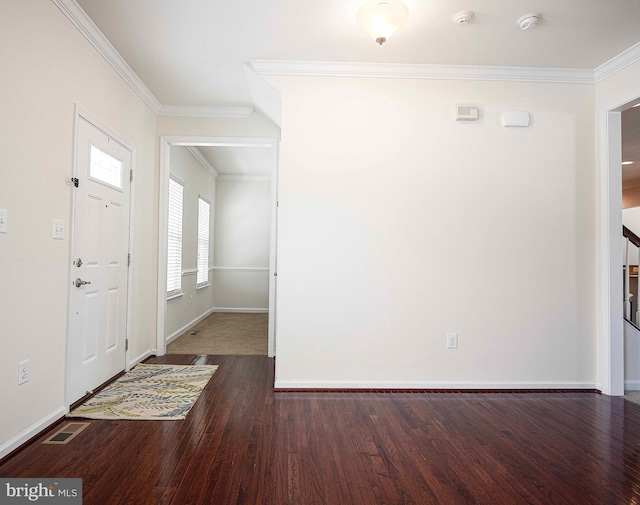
(202, 286)
(174, 296)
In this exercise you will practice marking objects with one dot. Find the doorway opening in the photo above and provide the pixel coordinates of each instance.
(630, 133)
(611, 361)
(215, 155)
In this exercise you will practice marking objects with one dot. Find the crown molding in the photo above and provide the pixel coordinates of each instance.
(421, 71)
(253, 178)
(203, 161)
(267, 142)
(83, 23)
(92, 33)
(205, 111)
(617, 63)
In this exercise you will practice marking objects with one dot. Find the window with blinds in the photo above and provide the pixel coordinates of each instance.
(203, 242)
(174, 245)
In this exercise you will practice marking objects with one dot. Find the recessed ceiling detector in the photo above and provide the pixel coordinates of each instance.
(463, 18)
(529, 21)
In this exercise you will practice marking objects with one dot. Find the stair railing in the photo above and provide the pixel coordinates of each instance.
(630, 239)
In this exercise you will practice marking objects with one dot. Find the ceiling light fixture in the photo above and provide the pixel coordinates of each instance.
(382, 18)
(529, 21)
(627, 162)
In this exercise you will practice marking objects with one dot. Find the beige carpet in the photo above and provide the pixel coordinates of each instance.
(225, 333)
(632, 396)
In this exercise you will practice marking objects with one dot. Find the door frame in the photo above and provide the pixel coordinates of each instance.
(610, 364)
(166, 142)
(79, 113)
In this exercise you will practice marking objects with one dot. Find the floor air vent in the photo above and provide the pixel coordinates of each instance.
(66, 433)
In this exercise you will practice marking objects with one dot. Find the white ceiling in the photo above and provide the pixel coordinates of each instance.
(245, 161)
(193, 52)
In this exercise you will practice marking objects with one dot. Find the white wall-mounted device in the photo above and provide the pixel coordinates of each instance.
(529, 21)
(515, 118)
(466, 112)
(463, 18)
(58, 229)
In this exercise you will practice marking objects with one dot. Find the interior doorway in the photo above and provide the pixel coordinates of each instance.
(203, 149)
(611, 333)
(630, 131)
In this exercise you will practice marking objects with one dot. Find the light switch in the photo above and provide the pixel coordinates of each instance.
(58, 229)
(3, 220)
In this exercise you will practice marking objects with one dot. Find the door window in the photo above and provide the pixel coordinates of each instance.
(105, 168)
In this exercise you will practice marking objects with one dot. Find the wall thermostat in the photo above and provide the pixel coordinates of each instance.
(466, 112)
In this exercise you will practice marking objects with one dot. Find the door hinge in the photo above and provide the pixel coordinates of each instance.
(131, 175)
(75, 181)
(126, 345)
(129, 259)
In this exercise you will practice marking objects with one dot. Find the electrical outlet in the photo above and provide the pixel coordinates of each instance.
(23, 372)
(452, 340)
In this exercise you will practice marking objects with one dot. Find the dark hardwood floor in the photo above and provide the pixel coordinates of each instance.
(243, 443)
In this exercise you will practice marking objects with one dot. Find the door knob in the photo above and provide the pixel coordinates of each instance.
(79, 282)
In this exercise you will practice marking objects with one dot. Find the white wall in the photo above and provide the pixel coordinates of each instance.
(195, 304)
(631, 219)
(398, 225)
(255, 125)
(48, 67)
(243, 220)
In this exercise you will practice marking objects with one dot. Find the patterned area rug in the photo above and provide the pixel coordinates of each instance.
(149, 392)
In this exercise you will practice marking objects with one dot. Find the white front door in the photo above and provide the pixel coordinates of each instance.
(99, 270)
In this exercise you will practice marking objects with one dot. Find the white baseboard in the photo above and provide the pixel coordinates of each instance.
(632, 385)
(31, 431)
(279, 384)
(142, 357)
(179, 332)
(238, 309)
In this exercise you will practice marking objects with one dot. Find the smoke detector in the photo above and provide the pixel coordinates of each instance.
(529, 20)
(463, 18)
